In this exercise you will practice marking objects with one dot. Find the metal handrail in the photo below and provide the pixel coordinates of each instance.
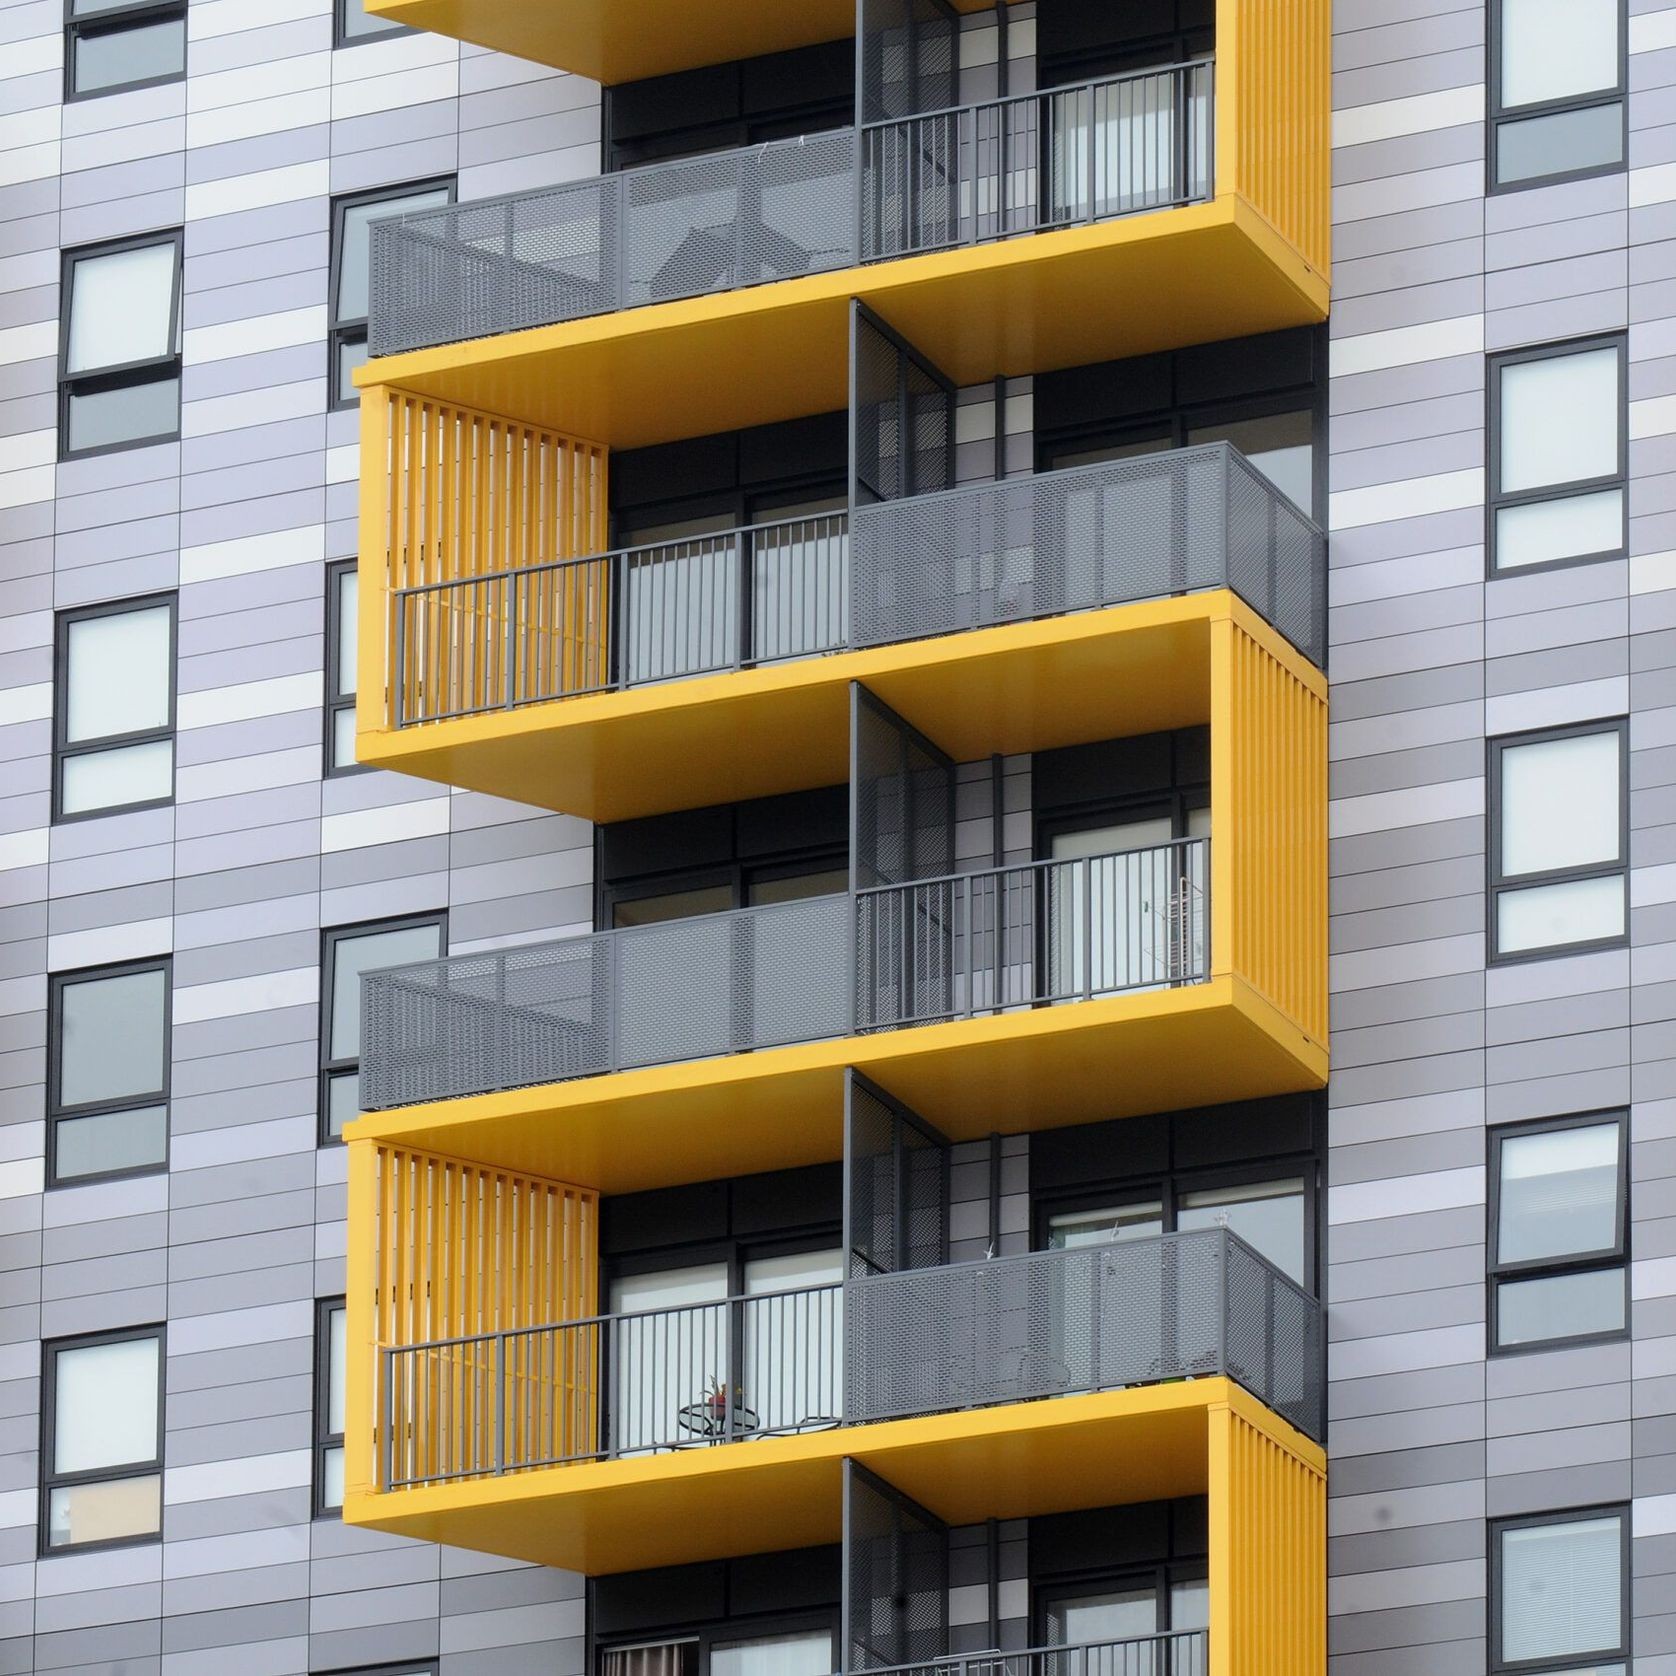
(1180, 1652)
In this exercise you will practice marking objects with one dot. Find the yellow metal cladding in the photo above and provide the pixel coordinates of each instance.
(444, 1249)
(1268, 1547)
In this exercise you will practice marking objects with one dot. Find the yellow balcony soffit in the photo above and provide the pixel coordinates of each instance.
(1138, 668)
(1159, 280)
(1008, 1462)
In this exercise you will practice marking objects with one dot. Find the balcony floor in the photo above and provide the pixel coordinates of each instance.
(1105, 1449)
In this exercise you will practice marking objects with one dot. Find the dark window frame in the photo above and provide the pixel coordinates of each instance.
(1499, 884)
(706, 1634)
(342, 38)
(346, 329)
(57, 1112)
(63, 748)
(736, 876)
(1496, 500)
(51, 1479)
(1615, 1256)
(330, 937)
(116, 21)
(1500, 115)
(337, 701)
(1162, 1575)
(152, 369)
(1587, 1662)
(325, 1438)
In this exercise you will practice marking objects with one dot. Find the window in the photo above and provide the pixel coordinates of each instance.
(1559, 840)
(351, 270)
(329, 1345)
(1557, 78)
(114, 708)
(102, 1439)
(348, 953)
(112, 44)
(108, 1081)
(343, 595)
(1158, 1601)
(1559, 1593)
(353, 23)
(790, 1652)
(1558, 1219)
(1559, 456)
(119, 345)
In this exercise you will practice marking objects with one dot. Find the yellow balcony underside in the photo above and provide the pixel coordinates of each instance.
(1009, 1462)
(1164, 279)
(1130, 669)
(1155, 1050)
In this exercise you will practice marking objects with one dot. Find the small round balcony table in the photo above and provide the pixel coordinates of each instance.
(707, 1422)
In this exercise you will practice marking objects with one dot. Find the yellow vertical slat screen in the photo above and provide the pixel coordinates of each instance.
(501, 525)
(465, 1252)
(1268, 1554)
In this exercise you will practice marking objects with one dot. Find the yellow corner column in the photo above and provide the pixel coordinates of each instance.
(362, 1398)
(372, 632)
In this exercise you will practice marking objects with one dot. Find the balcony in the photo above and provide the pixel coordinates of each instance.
(1173, 1653)
(716, 669)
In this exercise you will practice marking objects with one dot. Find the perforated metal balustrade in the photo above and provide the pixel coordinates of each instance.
(911, 183)
(880, 1346)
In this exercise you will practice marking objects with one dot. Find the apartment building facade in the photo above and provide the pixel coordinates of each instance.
(701, 713)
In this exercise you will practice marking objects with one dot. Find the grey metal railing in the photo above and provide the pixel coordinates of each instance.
(786, 972)
(808, 205)
(1169, 1653)
(1175, 1306)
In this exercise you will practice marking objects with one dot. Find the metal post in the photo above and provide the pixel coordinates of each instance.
(497, 1387)
(746, 561)
(398, 693)
(509, 609)
(1087, 867)
(622, 611)
(508, 276)
(389, 1419)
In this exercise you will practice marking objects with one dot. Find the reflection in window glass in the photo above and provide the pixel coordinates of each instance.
(1075, 1228)
(1559, 95)
(1268, 1216)
(103, 1482)
(1561, 1589)
(805, 1653)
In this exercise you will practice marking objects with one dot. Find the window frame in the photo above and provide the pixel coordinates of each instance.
(337, 701)
(342, 38)
(1496, 500)
(353, 329)
(51, 1479)
(126, 374)
(1615, 1256)
(1161, 1575)
(63, 748)
(705, 1635)
(325, 1438)
(1498, 115)
(57, 1112)
(1587, 1662)
(1498, 883)
(330, 937)
(135, 14)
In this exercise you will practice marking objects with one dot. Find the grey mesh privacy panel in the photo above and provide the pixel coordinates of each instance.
(896, 1183)
(896, 1576)
(1093, 1318)
(582, 1006)
(1092, 536)
(909, 58)
(902, 797)
(901, 415)
(649, 235)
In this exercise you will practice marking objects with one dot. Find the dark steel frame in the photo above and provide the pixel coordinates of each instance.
(1614, 1256)
(1498, 884)
(1495, 500)
(117, 21)
(1584, 1663)
(51, 1350)
(57, 1112)
(1500, 115)
(324, 1438)
(64, 748)
(337, 701)
(154, 369)
(853, 1079)
(330, 937)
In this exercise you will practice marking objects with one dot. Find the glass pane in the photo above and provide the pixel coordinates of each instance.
(1100, 1227)
(1559, 1193)
(115, 778)
(1281, 447)
(352, 353)
(802, 1268)
(1561, 1590)
(112, 1045)
(799, 887)
(132, 413)
(343, 1100)
(121, 306)
(1549, 916)
(1109, 1616)
(105, 1405)
(668, 1658)
(335, 1359)
(353, 258)
(670, 1362)
(1555, 145)
(792, 1355)
(1559, 803)
(1560, 1306)
(367, 951)
(1557, 49)
(126, 1507)
(130, 1140)
(116, 57)
(1545, 531)
(331, 1478)
(1190, 1604)
(1267, 1215)
(119, 674)
(1559, 419)
(676, 904)
(805, 1653)
(343, 738)
(348, 609)
(358, 26)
